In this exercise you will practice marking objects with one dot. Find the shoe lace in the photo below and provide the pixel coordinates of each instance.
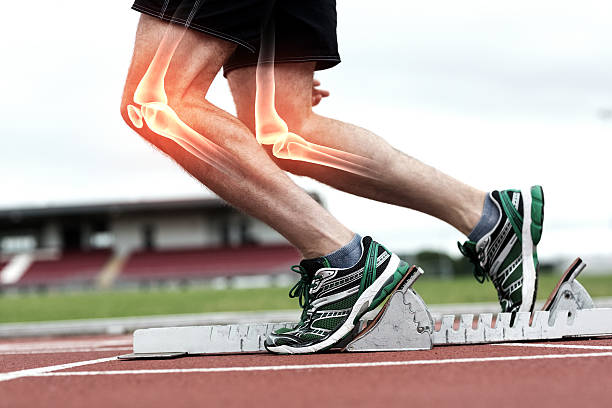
(469, 250)
(301, 289)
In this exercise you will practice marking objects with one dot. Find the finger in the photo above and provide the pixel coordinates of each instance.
(316, 82)
(316, 99)
(323, 92)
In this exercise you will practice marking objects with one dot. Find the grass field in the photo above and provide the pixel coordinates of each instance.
(83, 305)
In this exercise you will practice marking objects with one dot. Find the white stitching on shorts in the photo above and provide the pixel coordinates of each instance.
(229, 67)
(194, 9)
(164, 7)
(206, 30)
(307, 57)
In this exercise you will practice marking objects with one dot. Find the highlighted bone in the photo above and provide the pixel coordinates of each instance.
(294, 147)
(135, 116)
(162, 119)
(151, 86)
(269, 126)
(271, 129)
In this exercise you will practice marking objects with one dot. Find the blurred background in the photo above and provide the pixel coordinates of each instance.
(95, 223)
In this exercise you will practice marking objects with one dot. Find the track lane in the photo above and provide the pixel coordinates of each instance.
(538, 383)
(543, 382)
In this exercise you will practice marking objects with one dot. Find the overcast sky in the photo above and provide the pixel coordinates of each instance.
(498, 94)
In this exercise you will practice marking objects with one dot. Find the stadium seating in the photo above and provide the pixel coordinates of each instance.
(70, 267)
(2, 265)
(82, 268)
(209, 263)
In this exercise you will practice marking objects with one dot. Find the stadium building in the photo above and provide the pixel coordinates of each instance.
(114, 244)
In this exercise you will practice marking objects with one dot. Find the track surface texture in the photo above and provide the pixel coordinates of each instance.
(83, 372)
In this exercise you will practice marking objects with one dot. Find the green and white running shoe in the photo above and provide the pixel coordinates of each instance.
(507, 255)
(334, 299)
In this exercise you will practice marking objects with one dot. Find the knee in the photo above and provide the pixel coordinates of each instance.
(127, 100)
(130, 113)
(296, 117)
(130, 110)
(301, 125)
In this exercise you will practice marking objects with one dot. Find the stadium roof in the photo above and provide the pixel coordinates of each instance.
(18, 214)
(111, 208)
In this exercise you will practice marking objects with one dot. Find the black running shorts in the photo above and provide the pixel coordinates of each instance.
(305, 30)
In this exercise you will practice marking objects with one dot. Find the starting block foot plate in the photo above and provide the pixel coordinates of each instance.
(151, 356)
(404, 323)
(568, 277)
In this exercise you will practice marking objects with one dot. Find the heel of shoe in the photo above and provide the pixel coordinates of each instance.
(537, 213)
(390, 285)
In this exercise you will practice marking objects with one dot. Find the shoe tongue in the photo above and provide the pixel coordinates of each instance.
(313, 265)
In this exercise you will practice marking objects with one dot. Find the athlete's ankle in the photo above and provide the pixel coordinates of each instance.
(488, 219)
(344, 257)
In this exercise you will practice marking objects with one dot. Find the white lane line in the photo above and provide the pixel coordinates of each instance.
(554, 345)
(59, 351)
(41, 370)
(323, 366)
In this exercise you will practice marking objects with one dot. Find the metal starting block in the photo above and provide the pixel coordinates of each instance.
(402, 323)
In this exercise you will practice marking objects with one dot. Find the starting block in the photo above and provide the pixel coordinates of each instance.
(402, 323)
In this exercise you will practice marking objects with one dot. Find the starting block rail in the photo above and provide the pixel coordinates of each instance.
(403, 323)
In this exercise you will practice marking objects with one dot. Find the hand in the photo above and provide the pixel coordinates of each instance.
(318, 94)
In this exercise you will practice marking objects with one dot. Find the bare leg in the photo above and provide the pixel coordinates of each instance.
(265, 191)
(271, 129)
(405, 182)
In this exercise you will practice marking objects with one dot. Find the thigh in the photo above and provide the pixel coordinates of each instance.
(293, 98)
(305, 31)
(238, 21)
(195, 63)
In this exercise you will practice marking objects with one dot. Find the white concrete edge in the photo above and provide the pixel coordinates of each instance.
(124, 325)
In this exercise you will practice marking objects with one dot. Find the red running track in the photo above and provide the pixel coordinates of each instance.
(82, 372)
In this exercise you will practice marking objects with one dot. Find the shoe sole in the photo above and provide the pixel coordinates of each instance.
(360, 307)
(533, 219)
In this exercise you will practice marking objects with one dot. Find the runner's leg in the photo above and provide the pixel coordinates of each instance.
(407, 182)
(265, 191)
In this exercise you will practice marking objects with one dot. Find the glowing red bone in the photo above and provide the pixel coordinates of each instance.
(271, 129)
(151, 86)
(135, 116)
(162, 119)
